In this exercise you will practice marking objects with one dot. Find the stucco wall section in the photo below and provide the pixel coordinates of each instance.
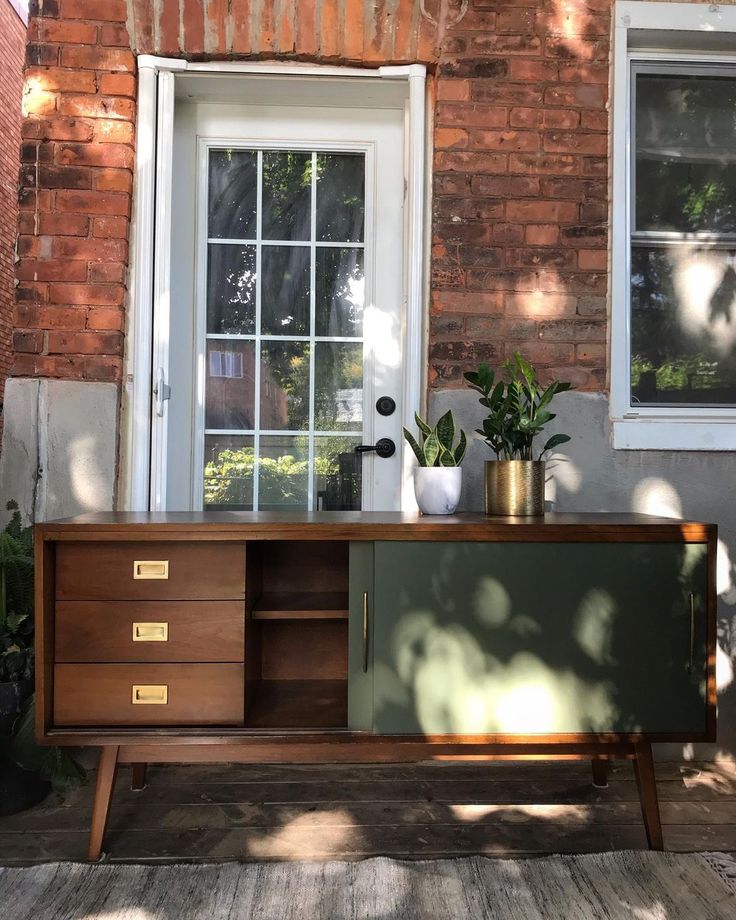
(58, 453)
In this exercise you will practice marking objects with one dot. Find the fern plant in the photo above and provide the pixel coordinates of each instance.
(16, 599)
(518, 409)
(438, 446)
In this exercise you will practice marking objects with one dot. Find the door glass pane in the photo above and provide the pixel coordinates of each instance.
(287, 192)
(338, 392)
(231, 201)
(285, 290)
(230, 385)
(339, 291)
(283, 472)
(231, 288)
(340, 197)
(228, 472)
(338, 471)
(683, 325)
(285, 386)
(286, 392)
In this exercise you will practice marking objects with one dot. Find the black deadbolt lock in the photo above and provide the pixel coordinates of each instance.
(385, 405)
(384, 447)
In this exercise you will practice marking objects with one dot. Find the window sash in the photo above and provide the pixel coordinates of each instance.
(664, 238)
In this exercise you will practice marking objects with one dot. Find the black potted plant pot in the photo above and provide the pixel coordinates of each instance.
(19, 788)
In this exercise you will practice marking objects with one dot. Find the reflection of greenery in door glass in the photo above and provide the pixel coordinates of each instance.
(686, 152)
(340, 197)
(338, 472)
(228, 471)
(231, 289)
(287, 195)
(339, 291)
(285, 290)
(285, 386)
(282, 473)
(338, 386)
(683, 325)
(231, 199)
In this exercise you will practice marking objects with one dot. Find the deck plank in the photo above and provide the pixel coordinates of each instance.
(410, 811)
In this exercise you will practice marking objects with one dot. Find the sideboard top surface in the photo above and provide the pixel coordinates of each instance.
(373, 525)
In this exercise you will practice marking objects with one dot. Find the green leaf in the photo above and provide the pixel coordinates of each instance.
(431, 450)
(555, 441)
(418, 452)
(422, 426)
(460, 449)
(445, 430)
(447, 458)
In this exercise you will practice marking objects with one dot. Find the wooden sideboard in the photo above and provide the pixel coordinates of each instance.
(354, 637)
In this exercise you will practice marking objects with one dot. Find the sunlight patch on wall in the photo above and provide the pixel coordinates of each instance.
(656, 496)
(37, 100)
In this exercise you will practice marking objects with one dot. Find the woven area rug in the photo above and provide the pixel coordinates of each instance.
(606, 886)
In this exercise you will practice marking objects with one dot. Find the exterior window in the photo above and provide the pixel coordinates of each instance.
(683, 236)
(673, 232)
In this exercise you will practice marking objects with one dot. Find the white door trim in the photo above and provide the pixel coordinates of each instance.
(139, 480)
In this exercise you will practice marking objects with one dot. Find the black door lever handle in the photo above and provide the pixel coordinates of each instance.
(384, 447)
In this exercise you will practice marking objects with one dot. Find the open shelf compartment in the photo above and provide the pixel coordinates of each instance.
(297, 635)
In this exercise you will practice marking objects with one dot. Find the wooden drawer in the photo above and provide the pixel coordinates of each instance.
(150, 571)
(149, 631)
(102, 694)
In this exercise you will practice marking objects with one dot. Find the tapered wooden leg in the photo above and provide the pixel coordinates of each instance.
(647, 784)
(138, 780)
(600, 772)
(106, 770)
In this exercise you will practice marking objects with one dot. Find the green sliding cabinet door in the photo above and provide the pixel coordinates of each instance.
(527, 638)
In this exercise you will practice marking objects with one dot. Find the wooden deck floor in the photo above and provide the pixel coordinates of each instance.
(346, 812)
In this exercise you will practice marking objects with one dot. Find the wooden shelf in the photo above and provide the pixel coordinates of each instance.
(298, 704)
(302, 605)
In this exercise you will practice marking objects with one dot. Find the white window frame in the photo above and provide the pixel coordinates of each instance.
(139, 470)
(653, 427)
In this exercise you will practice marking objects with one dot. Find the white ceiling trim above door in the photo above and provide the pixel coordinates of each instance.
(141, 469)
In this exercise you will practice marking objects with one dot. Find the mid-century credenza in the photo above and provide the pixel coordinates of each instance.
(354, 637)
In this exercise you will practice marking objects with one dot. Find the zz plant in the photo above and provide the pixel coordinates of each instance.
(518, 409)
(437, 447)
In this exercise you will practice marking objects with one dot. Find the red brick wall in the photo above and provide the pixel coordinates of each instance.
(520, 190)
(12, 49)
(76, 177)
(520, 167)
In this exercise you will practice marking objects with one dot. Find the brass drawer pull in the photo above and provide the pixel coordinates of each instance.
(150, 632)
(147, 568)
(692, 634)
(150, 694)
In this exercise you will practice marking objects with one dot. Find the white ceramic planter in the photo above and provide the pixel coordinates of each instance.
(437, 488)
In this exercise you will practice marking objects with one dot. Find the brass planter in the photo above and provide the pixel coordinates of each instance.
(515, 487)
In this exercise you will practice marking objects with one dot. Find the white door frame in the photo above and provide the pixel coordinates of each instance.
(140, 472)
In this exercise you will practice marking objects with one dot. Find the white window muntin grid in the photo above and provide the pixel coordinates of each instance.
(205, 145)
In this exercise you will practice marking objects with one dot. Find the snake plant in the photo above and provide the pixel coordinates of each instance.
(437, 447)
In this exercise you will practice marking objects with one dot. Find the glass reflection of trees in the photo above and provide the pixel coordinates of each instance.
(683, 295)
(283, 469)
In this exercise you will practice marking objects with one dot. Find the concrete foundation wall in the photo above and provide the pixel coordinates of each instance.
(588, 475)
(58, 447)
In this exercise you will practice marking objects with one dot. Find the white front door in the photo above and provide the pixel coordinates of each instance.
(286, 322)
